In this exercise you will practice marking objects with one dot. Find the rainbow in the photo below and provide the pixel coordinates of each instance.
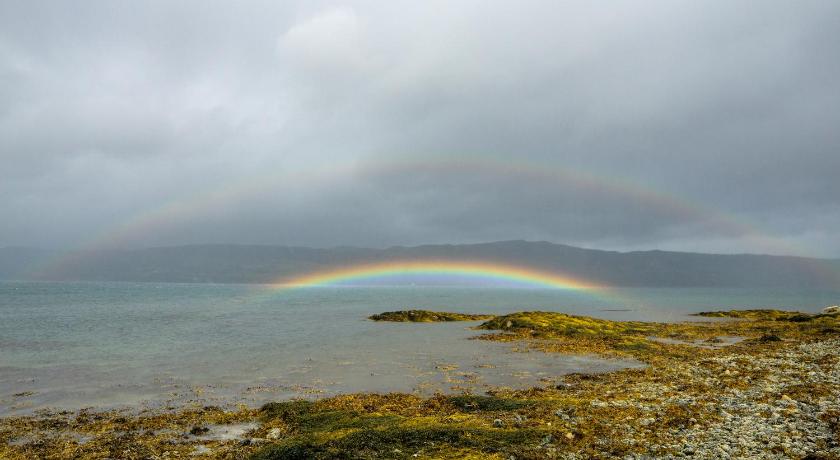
(189, 206)
(477, 270)
(204, 202)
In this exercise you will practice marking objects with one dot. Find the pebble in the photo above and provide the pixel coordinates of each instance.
(750, 426)
(274, 433)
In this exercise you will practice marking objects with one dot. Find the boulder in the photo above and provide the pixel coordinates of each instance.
(832, 310)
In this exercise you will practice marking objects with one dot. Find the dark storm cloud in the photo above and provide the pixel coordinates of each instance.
(710, 125)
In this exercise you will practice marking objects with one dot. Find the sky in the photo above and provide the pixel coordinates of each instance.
(707, 126)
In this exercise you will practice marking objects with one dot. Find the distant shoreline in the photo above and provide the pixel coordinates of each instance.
(266, 264)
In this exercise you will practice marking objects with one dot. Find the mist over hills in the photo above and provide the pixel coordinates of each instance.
(263, 264)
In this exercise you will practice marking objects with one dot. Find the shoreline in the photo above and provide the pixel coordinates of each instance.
(438, 358)
(773, 395)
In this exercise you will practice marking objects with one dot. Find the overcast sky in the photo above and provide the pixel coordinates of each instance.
(693, 125)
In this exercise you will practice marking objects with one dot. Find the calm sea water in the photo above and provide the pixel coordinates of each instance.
(71, 345)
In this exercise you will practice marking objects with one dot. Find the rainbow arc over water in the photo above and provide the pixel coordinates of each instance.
(204, 202)
(478, 270)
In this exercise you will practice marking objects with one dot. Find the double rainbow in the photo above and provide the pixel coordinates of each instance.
(478, 270)
(189, 206)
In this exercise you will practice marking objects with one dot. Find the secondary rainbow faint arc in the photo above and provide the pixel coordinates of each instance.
(190, 205)
(496, 271)
(195, 204)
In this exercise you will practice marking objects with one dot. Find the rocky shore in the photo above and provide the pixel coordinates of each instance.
(774, 395)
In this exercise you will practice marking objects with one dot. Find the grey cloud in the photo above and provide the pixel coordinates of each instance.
(112, 111)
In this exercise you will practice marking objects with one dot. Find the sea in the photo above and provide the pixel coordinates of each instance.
(75, 345)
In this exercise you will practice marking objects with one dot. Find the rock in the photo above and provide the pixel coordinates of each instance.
(199, 430)
(832, 310)
(251, 441)
(274, 433)
(561, 414)
(769, 338)
(200, 450)
(498, 423)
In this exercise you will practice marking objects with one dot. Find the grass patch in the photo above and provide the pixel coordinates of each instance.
(438, 441)
(356, 426)
(473, 403)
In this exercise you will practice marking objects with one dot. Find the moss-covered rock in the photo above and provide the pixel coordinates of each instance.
(757, 314)
(567, 325)
(767, 315)
(425, 316)
(582, 334)
(578, 334)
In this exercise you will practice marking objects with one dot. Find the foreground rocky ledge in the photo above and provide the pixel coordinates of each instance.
(772, 395)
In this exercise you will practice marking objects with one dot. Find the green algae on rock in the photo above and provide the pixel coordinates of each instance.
(425, 316)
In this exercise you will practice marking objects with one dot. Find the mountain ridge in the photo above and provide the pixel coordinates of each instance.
(237, 263)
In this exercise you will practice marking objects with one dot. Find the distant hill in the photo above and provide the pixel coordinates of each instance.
(260, 264)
